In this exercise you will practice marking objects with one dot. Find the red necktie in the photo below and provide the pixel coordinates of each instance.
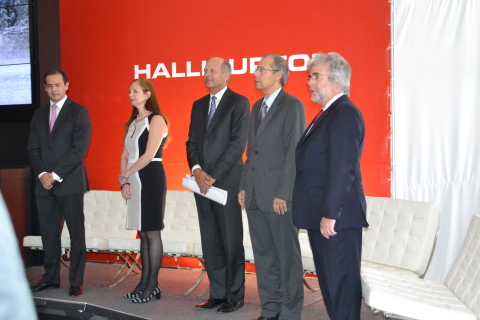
(318, 115)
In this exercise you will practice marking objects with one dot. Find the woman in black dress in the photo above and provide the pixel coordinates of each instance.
(143, 183)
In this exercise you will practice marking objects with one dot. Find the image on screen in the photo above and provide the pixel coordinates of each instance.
(15, 62)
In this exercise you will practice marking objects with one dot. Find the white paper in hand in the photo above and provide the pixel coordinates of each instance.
(215, 194)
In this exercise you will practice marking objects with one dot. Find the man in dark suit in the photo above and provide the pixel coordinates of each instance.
(59, 138)
(328, 197)
(216, 142)
(277, 122)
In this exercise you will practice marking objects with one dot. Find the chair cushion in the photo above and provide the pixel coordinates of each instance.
(128, 245)
(401, 292)
(175, 248)
(33, 242)
(92, 244)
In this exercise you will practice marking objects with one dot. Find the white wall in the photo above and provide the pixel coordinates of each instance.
(436, 114)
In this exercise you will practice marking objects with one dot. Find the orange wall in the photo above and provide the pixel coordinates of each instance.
(102, 41)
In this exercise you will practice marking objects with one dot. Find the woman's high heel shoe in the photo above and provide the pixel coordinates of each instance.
(157, 293)
(132, 295)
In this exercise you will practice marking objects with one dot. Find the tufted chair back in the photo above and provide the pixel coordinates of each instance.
(401, 234)
(463, 279)
(105, 216)
(181, 223)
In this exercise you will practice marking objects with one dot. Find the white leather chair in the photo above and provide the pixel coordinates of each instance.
(406, 296)
(401, 235)
(396, 254)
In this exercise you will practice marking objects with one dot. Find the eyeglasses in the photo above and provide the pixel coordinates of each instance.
(315, 76)
(262, 70)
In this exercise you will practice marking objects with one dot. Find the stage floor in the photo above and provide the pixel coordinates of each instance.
(173, 304)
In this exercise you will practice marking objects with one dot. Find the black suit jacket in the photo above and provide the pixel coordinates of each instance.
(63, 150)
(219, 149)
(328, 180)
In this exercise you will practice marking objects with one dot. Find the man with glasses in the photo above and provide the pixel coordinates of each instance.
(266, 186)
(328, 197)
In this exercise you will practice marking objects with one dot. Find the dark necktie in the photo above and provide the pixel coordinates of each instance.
(213, 107)
(314, 120)
(263, 112)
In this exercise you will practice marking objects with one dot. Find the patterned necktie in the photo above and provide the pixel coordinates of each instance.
(263, 112)
(53, 117)
(213, 107)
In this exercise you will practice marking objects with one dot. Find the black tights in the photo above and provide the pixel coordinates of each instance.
(151, 248)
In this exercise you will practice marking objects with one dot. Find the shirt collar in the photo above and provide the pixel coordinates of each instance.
(273, 96)
(219, 95)
(59, 104)
(332, 100)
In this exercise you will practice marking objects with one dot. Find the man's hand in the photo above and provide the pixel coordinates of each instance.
(204, 180)
(47, 180)
(241, 198)
(279, 206)
(211, 179)
(327, 227)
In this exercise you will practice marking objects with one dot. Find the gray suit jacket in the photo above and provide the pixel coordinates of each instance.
(270, 165)
(63, 150)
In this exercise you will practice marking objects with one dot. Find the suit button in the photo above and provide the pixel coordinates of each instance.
(253, 168)
(256, 151)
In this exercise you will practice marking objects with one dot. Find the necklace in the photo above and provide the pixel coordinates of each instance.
(139, 116)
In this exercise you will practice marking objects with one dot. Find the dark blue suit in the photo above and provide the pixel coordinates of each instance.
(328, 184)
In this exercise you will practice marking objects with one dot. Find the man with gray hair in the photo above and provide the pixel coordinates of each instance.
(216, 141)
(266, 186)
(328, 196)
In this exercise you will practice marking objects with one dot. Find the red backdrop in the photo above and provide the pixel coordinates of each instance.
(103, 41)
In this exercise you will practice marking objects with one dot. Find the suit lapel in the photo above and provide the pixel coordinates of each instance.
(320, 120)
(276, 105)
(45, 120)
(202, 121)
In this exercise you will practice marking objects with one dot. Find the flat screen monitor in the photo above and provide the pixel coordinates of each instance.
(15, 60)
(16, 91)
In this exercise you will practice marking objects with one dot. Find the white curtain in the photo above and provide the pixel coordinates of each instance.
(436, 114)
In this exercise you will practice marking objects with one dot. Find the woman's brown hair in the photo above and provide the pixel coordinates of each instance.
(150, 105)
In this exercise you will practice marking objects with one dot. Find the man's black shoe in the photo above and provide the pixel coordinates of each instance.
(42, 286)
(228, 307)
(75, 291)
(267, 318)
(210, 303)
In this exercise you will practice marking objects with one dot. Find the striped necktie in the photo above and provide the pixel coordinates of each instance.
(213, 107)
(53, 117)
